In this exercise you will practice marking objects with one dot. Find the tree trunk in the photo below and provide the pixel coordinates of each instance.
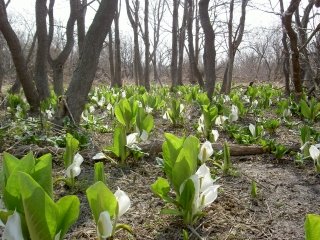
(41, 77)
(182, 37)
(147, 43)
(58, 63)
(209, 56)
(83, 76)
(116, 82)
(286, 57)
(111, 58)
(192, 58)
(134, 21)
(81, 27)
(233, 42)
(286, 21)
(19, 60)
(174, 48)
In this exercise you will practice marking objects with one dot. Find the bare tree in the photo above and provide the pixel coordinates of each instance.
(234, 40)
(147, 46)
(83, 76)
(57, 64)
(194, 70)
(116, 81)
(158, 12)
(174, 48)
(133, 15)
(41, 77)
(111, 56)
(209, 55)
(81, 27)
(287, 24)
(19, 60)
(182, 37)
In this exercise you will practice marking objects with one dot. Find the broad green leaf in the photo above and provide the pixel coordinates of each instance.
(11, 195)
(181, 170)
(312, 227)
(99, 174)
(192, 147)
(305, 110)
(41, 213)
(186, 200)
(161, 188)
(101, 199)
(69, 208)
(11, 163)
(43, 173)
(170, 151)
(72, 146)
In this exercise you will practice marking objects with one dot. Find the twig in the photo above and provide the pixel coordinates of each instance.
(195, 232)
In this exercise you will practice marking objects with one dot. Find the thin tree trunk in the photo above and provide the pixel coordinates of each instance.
(182, 37)
(83, 76)
(147, 43)
(117, 64)
(41, 77)
(58, 63)
(19, 60)
(174, 48)
(192, 58)
(209, 55)
(286, 21)
(81, 27)
(111, 59)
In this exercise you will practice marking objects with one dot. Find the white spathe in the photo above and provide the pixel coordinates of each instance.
(220, 120)
(13, 230)
(74, 170)
(252, 129)
(144, 135)
(314, 153)
(132, 139)
(104, 225)
(215, 134)
(201, 124)
(205, 189)
(99, 155)
(234, 115)
(124, 202)
(206, 151)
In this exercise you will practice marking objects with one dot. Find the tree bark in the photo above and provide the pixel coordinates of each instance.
(83, 76)
(116, 82)
(111, 58)
(174, 48)
(286, 21)
(147, 46)
(209, 56)
(19, 60)
(41, 77)
(233, 42)
(182, 37)
(81, 27)
(134, 21)
(58, 63)
(192, 58)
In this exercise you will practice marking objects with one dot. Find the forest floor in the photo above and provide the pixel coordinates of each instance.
(286, 192)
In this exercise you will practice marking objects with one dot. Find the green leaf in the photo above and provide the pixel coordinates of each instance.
(101, 199)
(124, 227)
(43, 173)
(69, 208)
(187, 196)
(161, 188)
(72, 146)
(305, 110)
(11, 193)
(11, 163)
(312, 227)
(99, 174)
(170, 151)
(40, 210)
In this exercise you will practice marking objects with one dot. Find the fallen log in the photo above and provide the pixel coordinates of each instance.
(155, 147)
